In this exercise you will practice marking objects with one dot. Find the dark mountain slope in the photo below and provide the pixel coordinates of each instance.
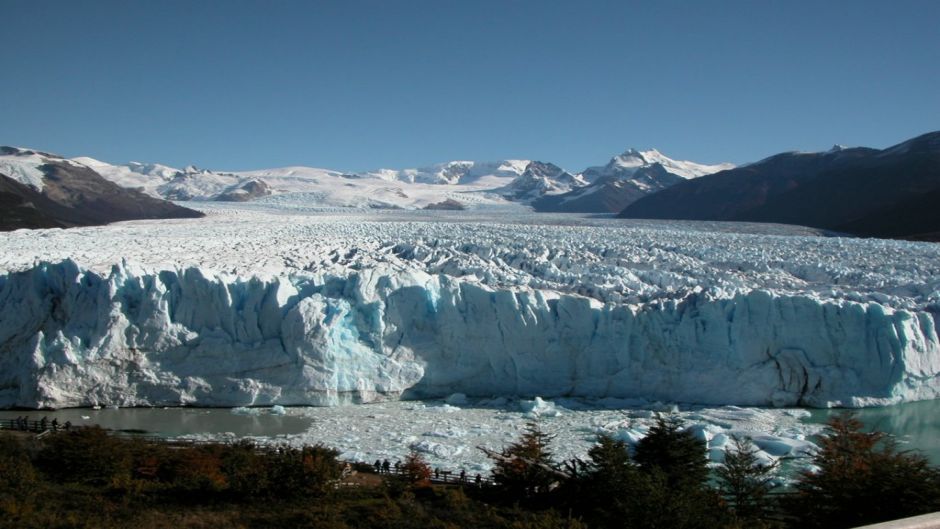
(75, 195)
(861, 191)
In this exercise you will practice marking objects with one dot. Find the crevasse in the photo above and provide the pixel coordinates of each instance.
(72, 337)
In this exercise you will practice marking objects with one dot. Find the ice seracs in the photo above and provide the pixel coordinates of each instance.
(256, 307)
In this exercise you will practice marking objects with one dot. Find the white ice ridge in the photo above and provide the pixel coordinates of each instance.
(259, 307)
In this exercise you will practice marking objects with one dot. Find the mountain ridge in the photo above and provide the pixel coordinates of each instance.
(859, 190)
(512, 182)
(42, 190)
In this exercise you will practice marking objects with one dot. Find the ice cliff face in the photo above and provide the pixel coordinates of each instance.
(72, 337)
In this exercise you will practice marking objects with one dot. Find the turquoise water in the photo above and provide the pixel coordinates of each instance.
(915, 425)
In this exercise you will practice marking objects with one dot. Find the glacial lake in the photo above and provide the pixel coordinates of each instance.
(449, 435)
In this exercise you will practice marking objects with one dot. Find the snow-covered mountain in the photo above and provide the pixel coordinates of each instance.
(540, 179)
(458, 184)
(625, 179)
(457, 172)
(467, 183)
(632, 162)
(42, 190)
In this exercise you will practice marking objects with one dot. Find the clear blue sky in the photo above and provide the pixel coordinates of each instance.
(355, 85)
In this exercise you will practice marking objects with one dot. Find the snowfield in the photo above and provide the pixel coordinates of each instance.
(263, 304)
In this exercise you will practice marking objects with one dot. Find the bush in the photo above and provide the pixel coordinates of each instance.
(862, 479)
(18, 478)
(88, 455)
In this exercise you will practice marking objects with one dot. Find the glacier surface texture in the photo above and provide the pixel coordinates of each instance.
(258, 307)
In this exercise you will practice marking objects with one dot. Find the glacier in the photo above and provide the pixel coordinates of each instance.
(254, 307)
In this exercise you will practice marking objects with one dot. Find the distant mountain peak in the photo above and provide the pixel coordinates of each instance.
(631, 161)
(540, 179)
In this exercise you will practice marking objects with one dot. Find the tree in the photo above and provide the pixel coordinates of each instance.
(674, 451)
(525, 468)
(861, 479)
(614, 491)
(745, 482)
(416, 470)
(606, 484)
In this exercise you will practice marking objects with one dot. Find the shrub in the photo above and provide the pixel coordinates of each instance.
(88, 455)
(18, 477)
(862, 478)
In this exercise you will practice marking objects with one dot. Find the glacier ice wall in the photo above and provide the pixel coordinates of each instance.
(71, 337)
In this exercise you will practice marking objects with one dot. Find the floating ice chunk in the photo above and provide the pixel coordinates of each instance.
(716, 455)
(444, 408)
(538, 408)
(277, 409)
(702, 432)
(718, 441)
(448, 433)
(763, 458)
(436, 449)
(799, 413)
(781, 446)
(242, 410)
(630, 436)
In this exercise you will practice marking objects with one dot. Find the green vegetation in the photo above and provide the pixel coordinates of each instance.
(745, 483)
(863, 479)
(88, 478)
